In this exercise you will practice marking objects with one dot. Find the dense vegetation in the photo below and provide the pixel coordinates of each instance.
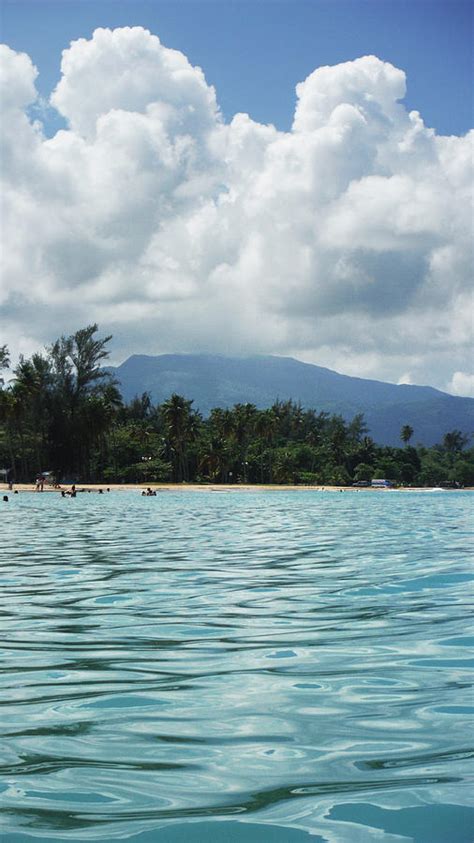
(61, 412)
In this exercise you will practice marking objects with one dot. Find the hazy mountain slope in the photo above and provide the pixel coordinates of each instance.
(215, 381)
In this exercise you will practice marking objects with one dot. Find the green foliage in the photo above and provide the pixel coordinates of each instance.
(434, 469)
(363, 471)
(339, 476)
(387, 468)
(4, 361)
(406, 433)
(181, 425)
(307, 478)
(462, 470)
(454, 442)
(59, 407)
(62, 412)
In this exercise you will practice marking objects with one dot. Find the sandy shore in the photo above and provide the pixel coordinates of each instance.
(201, 487)
(175, 487)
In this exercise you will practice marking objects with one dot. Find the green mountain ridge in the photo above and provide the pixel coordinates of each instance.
(219, 381)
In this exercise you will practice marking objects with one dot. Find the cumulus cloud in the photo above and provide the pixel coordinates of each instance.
(462, 384)
(345, 241)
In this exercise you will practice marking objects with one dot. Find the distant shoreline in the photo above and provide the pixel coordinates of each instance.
(213, 487)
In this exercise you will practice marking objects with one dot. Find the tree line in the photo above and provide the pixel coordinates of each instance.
(61, 411)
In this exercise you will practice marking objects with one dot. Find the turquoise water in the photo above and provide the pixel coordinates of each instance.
(242, 667)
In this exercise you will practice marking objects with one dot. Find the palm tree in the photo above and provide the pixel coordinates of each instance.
(181, 427)
(221, 449)
(453, 443)
(357, 429)
(32, 386)
(97, 416)
(265, 427)
(4, 360)
(285, 465)
(77, 374)
(244, 415)
(338, 440)
(140, 407)
(296, 421)
(10, 411)
(212, 460)
(406, 433)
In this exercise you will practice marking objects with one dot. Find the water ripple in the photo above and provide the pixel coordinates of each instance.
(300, 660)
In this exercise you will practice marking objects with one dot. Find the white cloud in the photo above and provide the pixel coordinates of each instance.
(462, 383)
(17, 79)
(346, 241)
(129, 70)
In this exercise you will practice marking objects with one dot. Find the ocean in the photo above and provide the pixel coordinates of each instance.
(237, 667)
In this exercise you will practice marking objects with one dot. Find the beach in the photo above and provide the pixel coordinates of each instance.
(210, 487)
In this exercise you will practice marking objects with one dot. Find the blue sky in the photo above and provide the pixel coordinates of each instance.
(255, 52)
(333, 224)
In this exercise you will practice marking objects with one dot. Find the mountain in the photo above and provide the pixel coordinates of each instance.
(217, 381)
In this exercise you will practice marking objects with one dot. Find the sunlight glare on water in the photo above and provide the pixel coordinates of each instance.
(240, 666)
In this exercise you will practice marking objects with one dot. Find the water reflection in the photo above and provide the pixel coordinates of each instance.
(296, 661)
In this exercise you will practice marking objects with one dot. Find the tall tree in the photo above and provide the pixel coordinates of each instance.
(406, 433)
(87, 354)
(244, 415)
(357, 429)
(266, 424)
(181, 428)
(453, 443)
(77, 376)
(32, 385)
(4, 361)
(10, 416)
(220, 448)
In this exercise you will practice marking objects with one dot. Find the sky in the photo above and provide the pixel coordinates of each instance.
(288, 178)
